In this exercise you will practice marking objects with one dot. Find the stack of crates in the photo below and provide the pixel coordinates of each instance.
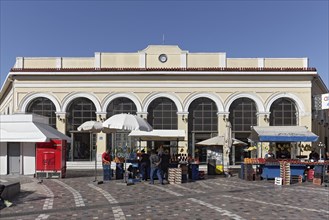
(318, 175)
(248, 172)
(175, 175)
(285, 172)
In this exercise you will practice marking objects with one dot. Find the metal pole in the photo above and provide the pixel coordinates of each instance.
(91, 140)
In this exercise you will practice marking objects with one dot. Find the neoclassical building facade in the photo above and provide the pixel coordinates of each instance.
(172, 89)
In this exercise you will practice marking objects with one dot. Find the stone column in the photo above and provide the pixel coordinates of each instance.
(223, 118)
(61, 121)
(263, 119)
(101, 137)
(182, 118)
(144, 116)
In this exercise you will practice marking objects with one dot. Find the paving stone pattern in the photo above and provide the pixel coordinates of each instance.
(216, 197)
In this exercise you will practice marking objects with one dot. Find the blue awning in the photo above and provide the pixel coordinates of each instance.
(282, 134)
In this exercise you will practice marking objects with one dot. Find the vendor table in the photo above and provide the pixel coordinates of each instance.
(270, 171)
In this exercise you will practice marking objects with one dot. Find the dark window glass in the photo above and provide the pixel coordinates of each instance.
(283, 113)
(203, 116)
(162, 114)
(243, 115)
(45, 107)
(121, 105)
(79, 111)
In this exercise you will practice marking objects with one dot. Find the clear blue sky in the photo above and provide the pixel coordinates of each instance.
(239, 28)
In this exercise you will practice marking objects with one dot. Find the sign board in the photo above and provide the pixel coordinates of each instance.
(325, 101)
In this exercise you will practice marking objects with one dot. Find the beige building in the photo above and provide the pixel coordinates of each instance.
(198, 93)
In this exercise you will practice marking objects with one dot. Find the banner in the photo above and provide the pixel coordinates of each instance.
(325, 101)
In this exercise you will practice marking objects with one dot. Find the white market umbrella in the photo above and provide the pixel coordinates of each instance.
(91, 126)
(94, 127)
(127, 122)
(219, 141)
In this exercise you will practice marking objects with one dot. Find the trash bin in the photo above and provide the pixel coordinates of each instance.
(119, 171)
(211, 167)
(194, 171)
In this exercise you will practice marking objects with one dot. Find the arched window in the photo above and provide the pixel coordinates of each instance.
(79, 111)
(283, 113)
(243, 115)
(162, 114)
(115, 142)
(45, 107)
(202, 124)
(121, 105)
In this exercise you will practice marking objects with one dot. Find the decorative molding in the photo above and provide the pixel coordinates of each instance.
(183, 60)
(164, 85)
(129, 95)
(252, 96)
(172, 96)
(261, 63)
(29, 97)
(97, 62)
(59, 62)
(211, 96)
(142, 60)
(70, 97)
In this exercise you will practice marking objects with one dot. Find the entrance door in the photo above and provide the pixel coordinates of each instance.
(14, 158)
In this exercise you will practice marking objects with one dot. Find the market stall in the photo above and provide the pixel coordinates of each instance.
(286, 168)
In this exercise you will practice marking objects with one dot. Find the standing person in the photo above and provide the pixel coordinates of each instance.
(165, 158)
(145, 165)
(106, 161)
(269, 155)
(155, 162)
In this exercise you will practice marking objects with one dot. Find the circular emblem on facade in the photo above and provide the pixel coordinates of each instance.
(163, 58)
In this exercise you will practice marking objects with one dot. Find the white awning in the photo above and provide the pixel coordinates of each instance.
(282, 134)
(159, 135)
(27, 128)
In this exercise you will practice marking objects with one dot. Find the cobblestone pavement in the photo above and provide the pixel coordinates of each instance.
(78, 197)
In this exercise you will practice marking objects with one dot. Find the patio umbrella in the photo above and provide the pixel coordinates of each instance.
(94, 127)
(219, 141)
(127, 122)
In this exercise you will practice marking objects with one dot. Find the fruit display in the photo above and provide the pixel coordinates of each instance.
(277, 161)
(254, 160)
(119, 159)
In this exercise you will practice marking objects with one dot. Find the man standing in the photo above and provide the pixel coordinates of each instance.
(155, 162)
(145, 164)
(106, 161)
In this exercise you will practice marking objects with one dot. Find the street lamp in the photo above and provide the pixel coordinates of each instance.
(321, 145)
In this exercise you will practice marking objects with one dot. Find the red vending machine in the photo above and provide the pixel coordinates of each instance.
(51, 159)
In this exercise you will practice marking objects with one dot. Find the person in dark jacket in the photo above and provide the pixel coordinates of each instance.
(165, 159)
(145, 165)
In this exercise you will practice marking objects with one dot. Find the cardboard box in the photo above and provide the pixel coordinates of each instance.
(317, 181)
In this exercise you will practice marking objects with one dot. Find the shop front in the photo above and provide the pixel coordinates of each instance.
(287, 162)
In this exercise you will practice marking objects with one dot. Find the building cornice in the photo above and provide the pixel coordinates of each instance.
(196, 69)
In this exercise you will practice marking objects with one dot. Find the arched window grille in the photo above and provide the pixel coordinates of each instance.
(79, 111)
(121, 105)
(243, 114)
(162, 114)
(283, 113)
(45, 107)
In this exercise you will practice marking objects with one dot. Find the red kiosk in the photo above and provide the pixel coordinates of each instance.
(51, 159)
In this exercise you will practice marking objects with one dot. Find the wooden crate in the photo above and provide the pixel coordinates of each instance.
(317, 181)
